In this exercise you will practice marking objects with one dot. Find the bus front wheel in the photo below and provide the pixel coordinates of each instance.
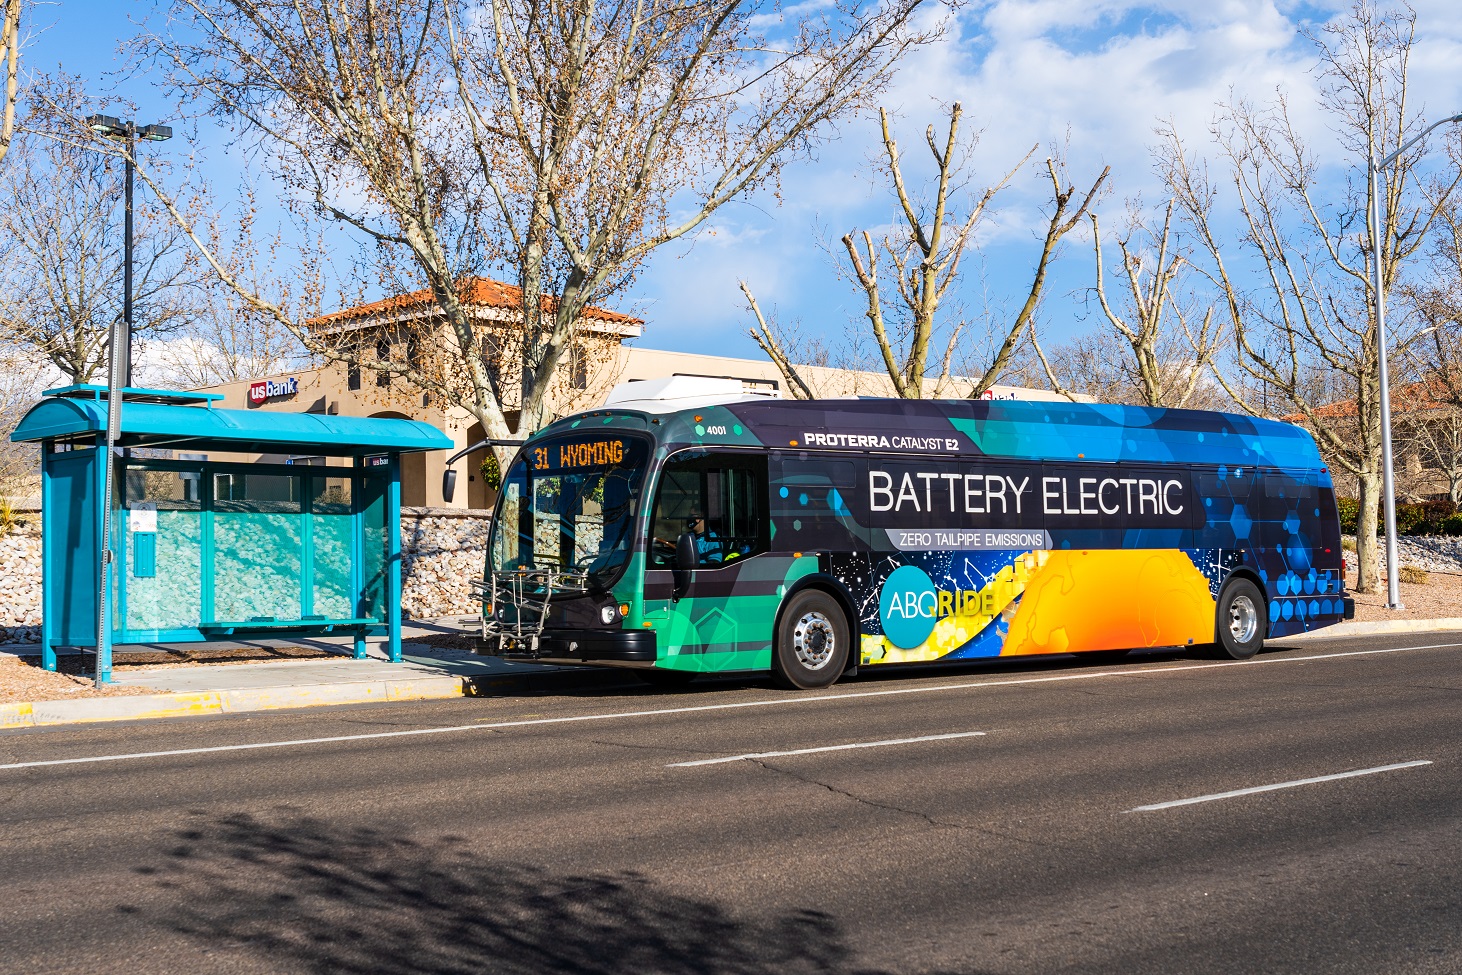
(1239, 629)
(812, 641)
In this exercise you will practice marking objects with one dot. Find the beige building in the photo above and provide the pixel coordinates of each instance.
(389, 324)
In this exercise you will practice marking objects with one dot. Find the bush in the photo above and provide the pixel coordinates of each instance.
(1409, 518)
(492, 474)
(1451, 525)
(1347, 544)
(1349, 514)
(1422, 518)
(1412, 575)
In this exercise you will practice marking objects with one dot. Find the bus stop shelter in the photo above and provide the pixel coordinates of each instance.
(210, 548)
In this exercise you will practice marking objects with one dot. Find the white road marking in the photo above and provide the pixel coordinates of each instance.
(1105, 674)
(827, 748)
(1278, 785)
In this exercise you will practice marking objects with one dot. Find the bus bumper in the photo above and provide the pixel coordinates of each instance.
(579, 646)
(1349, 608)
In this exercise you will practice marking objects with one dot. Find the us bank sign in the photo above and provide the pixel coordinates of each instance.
(266, 390)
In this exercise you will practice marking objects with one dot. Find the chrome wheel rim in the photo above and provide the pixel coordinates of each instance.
(1243, 619)
(813, 640)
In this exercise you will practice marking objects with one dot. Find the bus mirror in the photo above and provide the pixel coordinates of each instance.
(686, 557)
(449, 484)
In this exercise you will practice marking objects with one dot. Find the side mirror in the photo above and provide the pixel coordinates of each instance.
(449, 484)
(686, 558)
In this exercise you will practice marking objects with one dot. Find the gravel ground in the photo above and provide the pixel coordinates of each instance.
(22, 679)
(1441, 553)
(1439, 597)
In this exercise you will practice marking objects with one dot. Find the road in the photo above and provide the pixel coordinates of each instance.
(1026, 818)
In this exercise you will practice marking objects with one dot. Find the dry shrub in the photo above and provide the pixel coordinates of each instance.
(1412, 575)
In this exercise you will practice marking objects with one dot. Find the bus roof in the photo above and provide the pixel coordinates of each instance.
(1008, 429)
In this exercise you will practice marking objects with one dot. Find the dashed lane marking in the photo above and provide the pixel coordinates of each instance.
(826, 748)
(1214, 797)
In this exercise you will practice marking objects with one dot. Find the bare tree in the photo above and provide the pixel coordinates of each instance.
(1431, 423)
(1163, 356)
(229, 339)
(1295, 287)
(923, 263)
(20, 386)
(548, 138)
(9, 70)
(62, 230)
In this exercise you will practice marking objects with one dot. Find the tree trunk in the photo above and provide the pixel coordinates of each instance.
(1367, 549)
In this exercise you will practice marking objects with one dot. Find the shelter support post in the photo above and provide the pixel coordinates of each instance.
(360, 632)
(393, 562)
(109, 570)
(48, 629)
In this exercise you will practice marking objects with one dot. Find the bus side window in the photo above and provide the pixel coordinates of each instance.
(719, 498)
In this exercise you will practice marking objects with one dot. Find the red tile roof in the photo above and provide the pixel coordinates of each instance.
(1429, 394)
(482, 292)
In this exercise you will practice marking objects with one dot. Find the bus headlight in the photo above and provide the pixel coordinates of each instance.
(609, 614)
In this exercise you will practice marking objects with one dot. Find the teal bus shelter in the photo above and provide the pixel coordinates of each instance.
(215, 549)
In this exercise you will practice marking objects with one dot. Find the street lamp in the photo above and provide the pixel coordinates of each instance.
(119, 376)
(1373, 173)
(128, 132)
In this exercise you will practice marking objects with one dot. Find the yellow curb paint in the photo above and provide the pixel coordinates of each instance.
(46, 713)
(276, 698)
(426, 689)
(16, 715)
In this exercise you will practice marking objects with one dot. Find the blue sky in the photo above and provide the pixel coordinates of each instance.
(1099, 72)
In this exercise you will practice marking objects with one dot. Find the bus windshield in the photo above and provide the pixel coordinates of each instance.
(569, 505)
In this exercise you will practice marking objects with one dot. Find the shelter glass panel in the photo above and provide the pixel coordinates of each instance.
(256, 538)
(162, 525)
(333, 536)
(374, 547)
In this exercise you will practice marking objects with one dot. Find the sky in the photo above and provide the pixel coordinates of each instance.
(1096, 75)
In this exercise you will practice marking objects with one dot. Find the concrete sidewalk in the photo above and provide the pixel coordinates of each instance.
(425, 673)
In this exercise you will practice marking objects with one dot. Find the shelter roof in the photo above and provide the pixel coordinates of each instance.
(160, 418)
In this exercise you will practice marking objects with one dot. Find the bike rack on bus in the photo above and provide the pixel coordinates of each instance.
(517, 603)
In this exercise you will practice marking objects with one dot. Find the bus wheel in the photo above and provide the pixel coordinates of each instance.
(812, 641)
(1239, 629)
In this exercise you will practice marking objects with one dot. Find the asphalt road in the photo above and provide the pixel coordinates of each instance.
(567, 834)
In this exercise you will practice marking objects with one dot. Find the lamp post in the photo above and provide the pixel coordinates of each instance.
(119, 376)
(1374, 175)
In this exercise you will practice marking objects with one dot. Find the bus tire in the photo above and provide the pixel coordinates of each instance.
(1239, 628)
(812, 642)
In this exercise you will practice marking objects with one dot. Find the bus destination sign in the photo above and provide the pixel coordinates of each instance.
(582, 453)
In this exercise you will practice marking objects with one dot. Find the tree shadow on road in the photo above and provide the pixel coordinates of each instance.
(310, 896)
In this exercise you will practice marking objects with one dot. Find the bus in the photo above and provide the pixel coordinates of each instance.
(689, 528)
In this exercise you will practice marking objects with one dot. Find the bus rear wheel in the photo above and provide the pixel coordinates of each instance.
(812, 642)
(1239, 628)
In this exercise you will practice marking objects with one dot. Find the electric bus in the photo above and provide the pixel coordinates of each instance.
(687, 528)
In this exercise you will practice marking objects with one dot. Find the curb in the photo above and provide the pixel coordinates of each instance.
(1379, 629)
(41, 714)
(44, 714)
